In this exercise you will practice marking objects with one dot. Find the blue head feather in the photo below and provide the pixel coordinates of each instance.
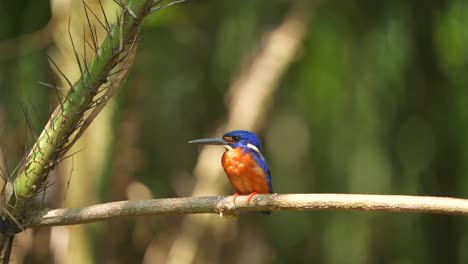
(242, 138)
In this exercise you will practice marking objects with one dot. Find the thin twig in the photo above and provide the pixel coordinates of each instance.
(224, 206)
(7, 254)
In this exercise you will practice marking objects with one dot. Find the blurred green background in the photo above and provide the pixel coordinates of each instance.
(374, 101)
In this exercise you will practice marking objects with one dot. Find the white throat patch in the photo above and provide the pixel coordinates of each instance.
(254, 148)
(227, 147)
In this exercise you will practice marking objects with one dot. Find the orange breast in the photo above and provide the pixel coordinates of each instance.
(243, 172)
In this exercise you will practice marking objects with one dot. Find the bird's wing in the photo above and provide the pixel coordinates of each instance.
(263, 164)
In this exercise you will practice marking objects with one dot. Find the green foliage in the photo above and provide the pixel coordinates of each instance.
(374, 103)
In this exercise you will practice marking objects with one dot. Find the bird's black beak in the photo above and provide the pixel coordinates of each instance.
(210, 141)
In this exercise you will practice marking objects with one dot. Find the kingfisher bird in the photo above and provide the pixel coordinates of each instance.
(243, 163)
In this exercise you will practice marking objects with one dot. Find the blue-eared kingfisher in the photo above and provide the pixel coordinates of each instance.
(243, 162)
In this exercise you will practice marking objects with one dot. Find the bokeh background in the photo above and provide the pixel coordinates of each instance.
(347, 97)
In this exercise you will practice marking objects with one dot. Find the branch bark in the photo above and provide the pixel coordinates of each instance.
(224, 206)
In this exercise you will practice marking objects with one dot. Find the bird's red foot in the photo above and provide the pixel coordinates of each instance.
(235, 197)
(250, 196)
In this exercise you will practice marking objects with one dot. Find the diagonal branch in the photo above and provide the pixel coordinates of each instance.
(223, 206)
(104, 73)
(59, 133)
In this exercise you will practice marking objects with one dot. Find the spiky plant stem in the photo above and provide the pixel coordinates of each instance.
(69, 120)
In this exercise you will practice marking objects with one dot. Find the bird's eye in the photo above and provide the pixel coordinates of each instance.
(236, 138)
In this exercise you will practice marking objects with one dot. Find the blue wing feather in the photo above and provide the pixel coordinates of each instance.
(263, 164)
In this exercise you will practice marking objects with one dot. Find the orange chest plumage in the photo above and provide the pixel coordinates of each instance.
(243, 172)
